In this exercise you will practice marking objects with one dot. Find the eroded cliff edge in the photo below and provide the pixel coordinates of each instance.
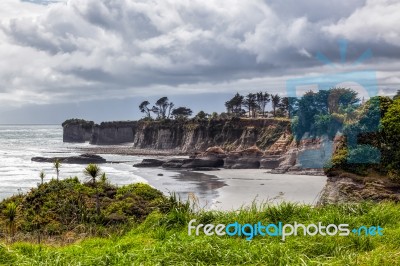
(186, 136)
(241, 143)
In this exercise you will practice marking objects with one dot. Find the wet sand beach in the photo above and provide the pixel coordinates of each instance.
(228, 189)
(243, 186)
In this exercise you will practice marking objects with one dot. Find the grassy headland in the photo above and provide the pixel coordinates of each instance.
(162, 239)
(125, 233)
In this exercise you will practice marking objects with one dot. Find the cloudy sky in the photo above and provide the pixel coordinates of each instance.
(98, 59)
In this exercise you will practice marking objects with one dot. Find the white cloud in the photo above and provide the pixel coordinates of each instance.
(377, 21)
(99, 49)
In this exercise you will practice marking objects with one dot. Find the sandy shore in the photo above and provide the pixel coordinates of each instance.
(243, 186)
(225, 189)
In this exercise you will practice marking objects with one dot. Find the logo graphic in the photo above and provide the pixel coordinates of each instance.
(281, 230)
(322, 122)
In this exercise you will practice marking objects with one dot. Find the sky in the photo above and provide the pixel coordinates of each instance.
(98, 59)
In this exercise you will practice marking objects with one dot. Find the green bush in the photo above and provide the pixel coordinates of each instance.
(364, 154)
(152, 242)
(57, 207)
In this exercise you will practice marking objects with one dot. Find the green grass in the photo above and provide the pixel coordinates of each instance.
(162, 239)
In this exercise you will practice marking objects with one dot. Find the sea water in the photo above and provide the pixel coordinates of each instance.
(18, 173)
(19, 143)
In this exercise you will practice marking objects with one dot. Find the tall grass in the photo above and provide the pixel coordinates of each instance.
(162, 239)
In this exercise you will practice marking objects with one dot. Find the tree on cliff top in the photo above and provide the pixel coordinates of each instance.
(251, 104)
(144, 108)
(262, 100)
(234, 105)
(181, 113)
(162, 105)
(201, 115)
(163, 108)
(275, 100)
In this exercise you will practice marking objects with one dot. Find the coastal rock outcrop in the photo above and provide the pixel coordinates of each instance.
(186, 136)
(246, 159)
(213, 157)
(215, 151)
(230, 143)
(77, 130)
(341, 188)
(307, 157)
(113, 133)
(272, 157)
(150, 163)
(81, 159)
(207, 162)
(176, 163)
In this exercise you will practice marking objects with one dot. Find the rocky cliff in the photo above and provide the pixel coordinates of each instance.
(242, 143)
(77, 130)
(111, 133)
(186, 136)
(346, 187)
(308, 156)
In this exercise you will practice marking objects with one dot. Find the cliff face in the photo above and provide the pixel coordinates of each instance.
(308, 156)
(111, 133)
(186, 136)
(77, 130)
(246, 143)
(343, 188)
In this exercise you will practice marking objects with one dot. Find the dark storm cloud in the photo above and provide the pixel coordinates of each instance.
(42, 2)
(315, 10)
(81, 50)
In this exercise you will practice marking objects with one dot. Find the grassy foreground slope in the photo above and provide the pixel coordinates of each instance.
(162, 239)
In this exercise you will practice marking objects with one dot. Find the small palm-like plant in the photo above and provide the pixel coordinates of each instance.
(103, 178)
(57, 165)
(42, 175)
(11, 214)
(93, 171)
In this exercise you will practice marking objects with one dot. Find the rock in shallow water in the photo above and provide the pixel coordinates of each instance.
(176, 163)
(205, 162)
(81, 159)
(150, 163)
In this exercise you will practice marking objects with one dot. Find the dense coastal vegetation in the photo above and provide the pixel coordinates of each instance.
(162, 239)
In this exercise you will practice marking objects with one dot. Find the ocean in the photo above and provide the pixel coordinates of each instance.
(19, 143)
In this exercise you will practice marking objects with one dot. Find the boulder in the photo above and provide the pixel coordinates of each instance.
(205, 169)
(150, 163)
(246, 159)
(215, 151)
(176, 163)
(205, 162)
(270, 162)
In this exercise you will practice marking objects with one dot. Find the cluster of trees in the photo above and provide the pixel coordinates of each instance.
(163, 109)
(371, 129)
(255, 104)
(252, 105)
(323, 112)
